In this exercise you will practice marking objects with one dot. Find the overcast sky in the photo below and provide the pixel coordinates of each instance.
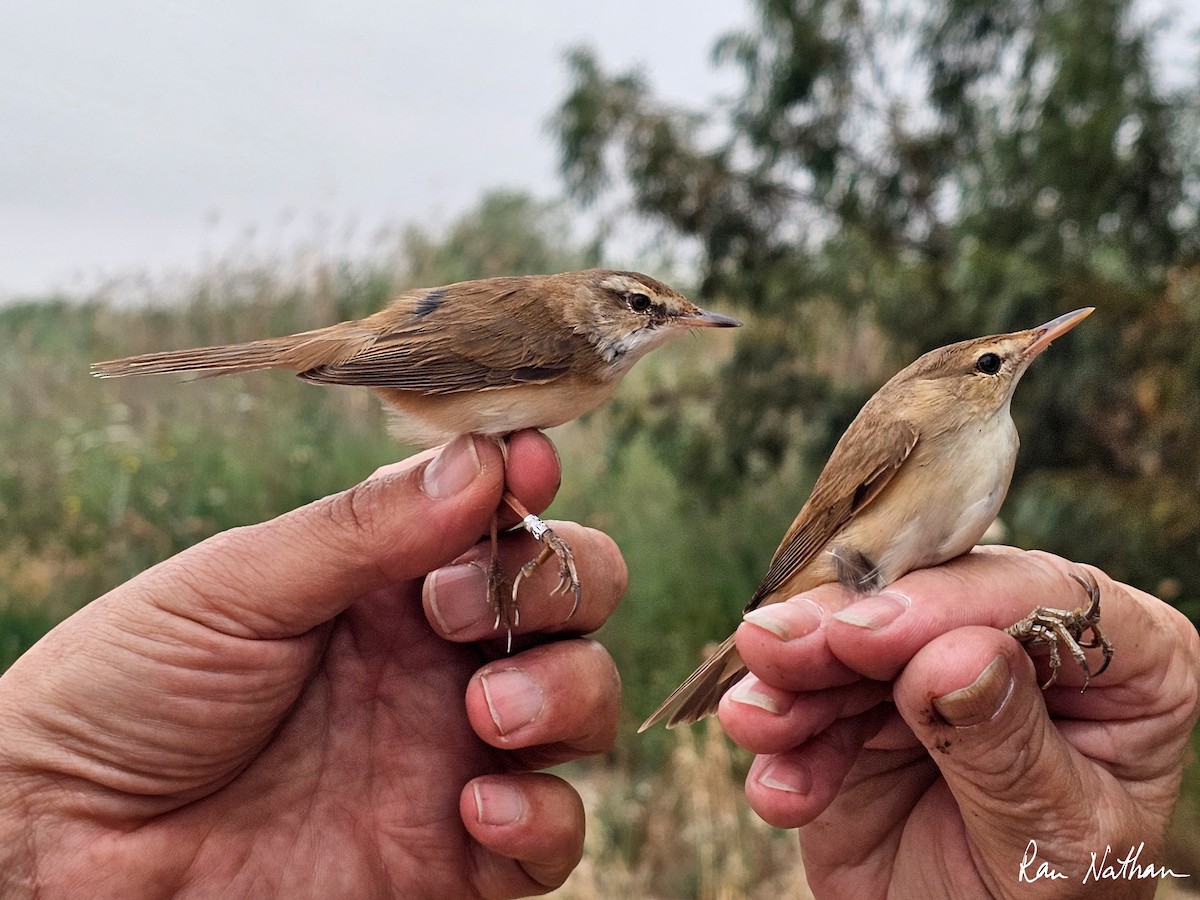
(149, 136)
(141, 135)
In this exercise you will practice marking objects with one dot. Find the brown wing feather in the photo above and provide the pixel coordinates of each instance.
(470, 336)
(700, 693)
(469, 341)
(296, 352)
(859, 468)
(861, 465)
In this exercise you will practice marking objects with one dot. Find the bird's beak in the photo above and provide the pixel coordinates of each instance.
(1044, 334)
(703, 319)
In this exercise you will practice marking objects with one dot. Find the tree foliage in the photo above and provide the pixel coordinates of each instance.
(892, 179)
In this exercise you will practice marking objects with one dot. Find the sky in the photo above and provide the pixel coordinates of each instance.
(148, 137)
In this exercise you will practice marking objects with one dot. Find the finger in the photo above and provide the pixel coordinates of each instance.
(874, 804)
(894, 735)
(790, 789)
(530, 832)
(784, 644)
(283, 577)
(455, 597)
(877, 636)
(548, 704)
(973, 700)
(528, 485)
(764, 719)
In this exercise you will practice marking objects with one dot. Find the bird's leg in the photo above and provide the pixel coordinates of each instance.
(568, 576)
(507, 613)
(1060, 626)
(856, 571)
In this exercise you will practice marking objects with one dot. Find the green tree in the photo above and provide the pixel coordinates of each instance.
(890, 180)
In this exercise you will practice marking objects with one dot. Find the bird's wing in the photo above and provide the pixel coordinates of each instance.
(861, 465)
(468, 339)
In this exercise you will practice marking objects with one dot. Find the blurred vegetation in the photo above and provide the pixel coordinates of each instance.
(99, 480)
(687, 833)
(888, 180)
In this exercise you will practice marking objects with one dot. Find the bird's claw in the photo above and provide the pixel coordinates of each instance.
(1059, 626)
(508, 614)
(507, 609)
(568, 575)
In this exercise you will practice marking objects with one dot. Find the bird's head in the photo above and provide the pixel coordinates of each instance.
(625, 315)
(975, 379)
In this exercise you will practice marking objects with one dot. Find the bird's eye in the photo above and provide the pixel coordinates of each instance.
(639, 302)
(988, 364)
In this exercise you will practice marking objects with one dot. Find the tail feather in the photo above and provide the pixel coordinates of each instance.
(702, 691)
(296, 352)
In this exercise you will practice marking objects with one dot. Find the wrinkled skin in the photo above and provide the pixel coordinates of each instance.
(293, 709)
(908, 738)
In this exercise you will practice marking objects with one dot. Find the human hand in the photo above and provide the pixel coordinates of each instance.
(918, 755)
(279, 710)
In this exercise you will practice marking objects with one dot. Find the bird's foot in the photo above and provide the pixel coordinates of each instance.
(503, 601)
(1059, 626)
(568, 575)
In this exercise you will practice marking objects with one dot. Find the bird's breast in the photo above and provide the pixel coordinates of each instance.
(940, 503)
(432, 419)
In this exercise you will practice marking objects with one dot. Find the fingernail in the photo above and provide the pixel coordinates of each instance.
(788, 620)
(452, 470)
(872, 613)
(498, 804)
(513, 698)
(456, 596)
(980, 700)
(781, 777)
(751, 692)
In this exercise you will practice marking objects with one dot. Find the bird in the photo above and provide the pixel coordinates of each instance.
(484, 357)
(915, 480)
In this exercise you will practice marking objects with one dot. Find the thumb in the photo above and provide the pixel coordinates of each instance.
(285, 576)
(972, 698)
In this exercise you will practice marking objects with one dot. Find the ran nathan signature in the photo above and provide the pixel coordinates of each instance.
(1106, 866)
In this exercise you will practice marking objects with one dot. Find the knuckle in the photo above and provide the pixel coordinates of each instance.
(354, 509)
(353, 521)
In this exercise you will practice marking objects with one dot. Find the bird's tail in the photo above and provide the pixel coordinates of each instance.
(700, 693)
(295, 352)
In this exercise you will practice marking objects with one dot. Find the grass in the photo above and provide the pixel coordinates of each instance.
(685, 832)
(100, 479)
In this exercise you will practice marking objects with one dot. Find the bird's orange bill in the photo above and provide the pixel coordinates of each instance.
(1056, 328)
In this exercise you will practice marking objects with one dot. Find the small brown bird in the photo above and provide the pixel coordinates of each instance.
(915, 481)
(485, 357)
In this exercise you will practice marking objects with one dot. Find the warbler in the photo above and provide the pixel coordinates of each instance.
(916, 479)
(486, 357)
